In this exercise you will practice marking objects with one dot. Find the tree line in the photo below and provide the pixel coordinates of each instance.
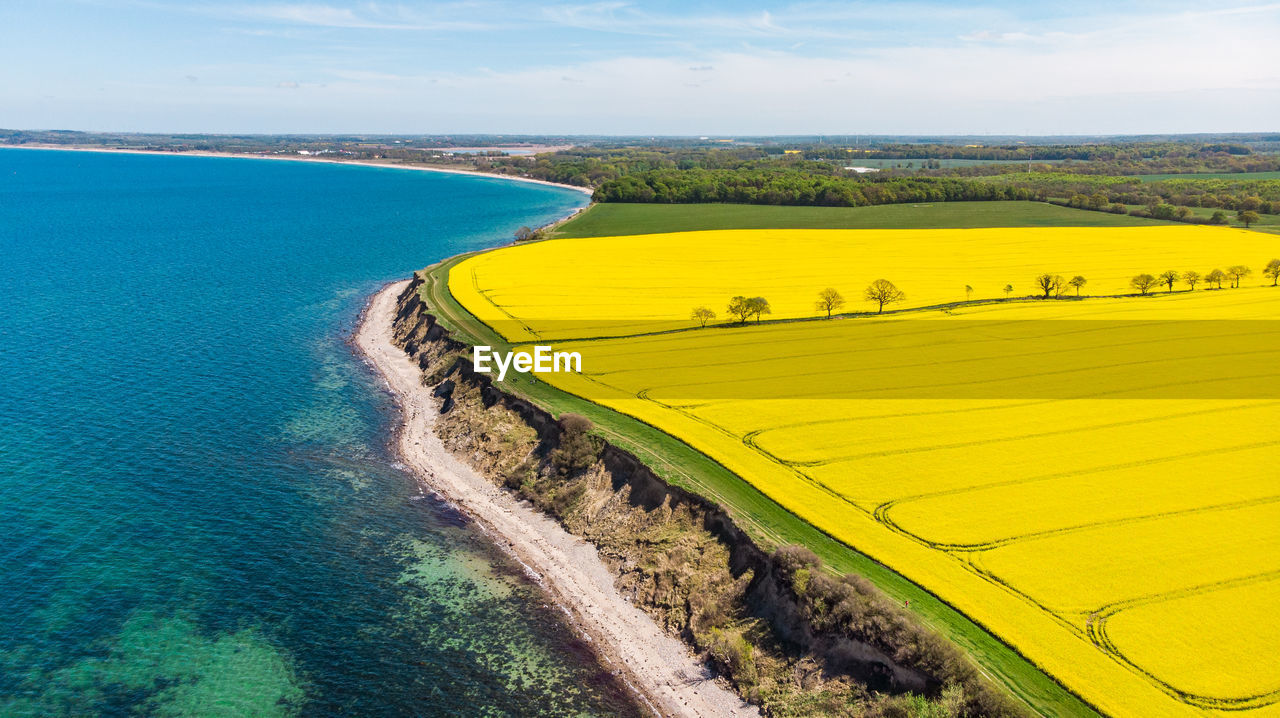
(741, 308)
(800, 185)
(1048, 285)
(1054, 286)
(1212, 193)
(1233, 275)
(794, 187)
(1188, 162)
(1085, 152)
(735, 174)
(1248, 212)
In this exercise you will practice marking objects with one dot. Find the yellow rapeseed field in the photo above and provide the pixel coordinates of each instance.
(1094, 481)
(608, 286)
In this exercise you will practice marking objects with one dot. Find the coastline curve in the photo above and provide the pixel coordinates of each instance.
(659, 668)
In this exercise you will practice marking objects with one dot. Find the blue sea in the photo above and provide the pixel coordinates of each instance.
(199, 512)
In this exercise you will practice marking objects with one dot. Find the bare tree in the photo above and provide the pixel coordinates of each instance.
(883, 292)
(1191, 278)
(1008, 289)
(1077, 282)
(1049, 283)
(525, 234)
(1273, 270)
(829, 300)
(1143, 283)
(1238, 272)
(759, 306)
(702, 315)
(740, 308)
(1170, 278)
(968, 292)
(1216, 277)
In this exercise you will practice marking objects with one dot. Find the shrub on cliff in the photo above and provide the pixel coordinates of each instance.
(577, 451)
(852, 606)
(734, 655)
(793, 558)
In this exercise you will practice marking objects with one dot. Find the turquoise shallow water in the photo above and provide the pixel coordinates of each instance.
(200, 515)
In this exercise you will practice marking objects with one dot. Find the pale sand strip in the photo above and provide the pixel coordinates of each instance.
(659, 667)
(361, 163)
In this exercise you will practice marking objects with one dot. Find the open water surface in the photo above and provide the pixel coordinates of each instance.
(198, 511)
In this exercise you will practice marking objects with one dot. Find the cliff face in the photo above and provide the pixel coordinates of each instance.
(789, 637)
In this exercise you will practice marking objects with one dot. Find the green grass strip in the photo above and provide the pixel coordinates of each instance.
(611, 219)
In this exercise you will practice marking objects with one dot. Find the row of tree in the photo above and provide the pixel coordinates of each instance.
(814, 184)
(1169, 212)
(1092, 152)
(1190, 165)
(1233, 275)
(817, 176)
(1247, 213)
(1233, 195)
(1055, 286)
(881, 292)
(796, 187)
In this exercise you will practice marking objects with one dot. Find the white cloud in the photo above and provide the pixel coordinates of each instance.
(803, 20)
(366, 16)
(804, 68)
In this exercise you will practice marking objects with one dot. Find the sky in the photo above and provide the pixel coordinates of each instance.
(640, 68)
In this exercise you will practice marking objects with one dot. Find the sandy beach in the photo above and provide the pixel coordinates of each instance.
(660, 668)
(363, 163)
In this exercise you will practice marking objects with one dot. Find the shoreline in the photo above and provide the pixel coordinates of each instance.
(359, 163)
(661, 671)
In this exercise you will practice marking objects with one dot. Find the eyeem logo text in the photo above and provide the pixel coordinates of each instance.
(541, 361)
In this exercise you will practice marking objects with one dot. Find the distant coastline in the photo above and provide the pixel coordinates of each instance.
(257, 156)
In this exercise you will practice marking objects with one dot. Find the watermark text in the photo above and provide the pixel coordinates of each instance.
(542, 361)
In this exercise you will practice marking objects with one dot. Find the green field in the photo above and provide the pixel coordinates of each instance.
(1212, 175)
(603, 220)
(764, 521)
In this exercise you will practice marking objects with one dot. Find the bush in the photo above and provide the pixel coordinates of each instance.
(793, 558)
(734, 655)
(577, 451)
(524, 234)
(800, 581)
(853, 607)
(575, 423)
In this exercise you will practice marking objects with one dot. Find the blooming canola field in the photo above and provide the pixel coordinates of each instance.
(1092, 481)
(609, 286)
